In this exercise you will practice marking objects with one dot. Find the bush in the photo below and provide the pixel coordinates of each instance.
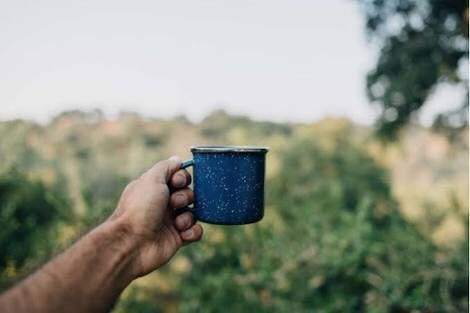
(343, 246)
(29, 213)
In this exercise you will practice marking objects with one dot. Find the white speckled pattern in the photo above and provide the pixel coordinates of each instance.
(229, 187)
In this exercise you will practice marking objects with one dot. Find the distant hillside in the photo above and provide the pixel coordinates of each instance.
(92, 157)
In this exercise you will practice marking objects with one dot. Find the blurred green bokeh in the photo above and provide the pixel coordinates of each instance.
(338, 235)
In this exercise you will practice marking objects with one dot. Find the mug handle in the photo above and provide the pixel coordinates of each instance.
(186, 164)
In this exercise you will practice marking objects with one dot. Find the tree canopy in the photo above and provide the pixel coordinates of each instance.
(423, 43)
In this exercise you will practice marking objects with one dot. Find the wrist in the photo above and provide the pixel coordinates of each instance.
(123, 246)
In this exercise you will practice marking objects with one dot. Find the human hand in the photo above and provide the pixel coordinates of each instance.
(146, 210)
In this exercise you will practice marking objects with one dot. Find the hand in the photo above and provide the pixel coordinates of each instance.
(147, 212)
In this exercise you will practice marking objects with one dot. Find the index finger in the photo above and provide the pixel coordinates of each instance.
(180, 179)
(162, 171)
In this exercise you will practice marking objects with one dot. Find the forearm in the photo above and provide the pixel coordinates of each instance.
(88, 277)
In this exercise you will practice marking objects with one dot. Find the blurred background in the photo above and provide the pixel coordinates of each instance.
(363, 103)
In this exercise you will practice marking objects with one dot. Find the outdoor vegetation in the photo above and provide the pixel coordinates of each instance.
(352, 224)
(357, 219)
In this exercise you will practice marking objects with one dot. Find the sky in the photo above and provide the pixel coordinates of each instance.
(270, 59)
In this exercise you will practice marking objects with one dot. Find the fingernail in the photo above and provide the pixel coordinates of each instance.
(179, 180)
(187, 233)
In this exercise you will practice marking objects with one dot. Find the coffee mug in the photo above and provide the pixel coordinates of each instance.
(228, 184)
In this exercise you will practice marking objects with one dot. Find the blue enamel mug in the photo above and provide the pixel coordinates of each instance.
(228, 183)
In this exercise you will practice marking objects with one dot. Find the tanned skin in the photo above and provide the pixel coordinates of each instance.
(142, 234)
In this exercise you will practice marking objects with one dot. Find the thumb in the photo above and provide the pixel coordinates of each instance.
(162, 171)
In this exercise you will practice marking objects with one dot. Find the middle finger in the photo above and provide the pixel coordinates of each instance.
(181, 198)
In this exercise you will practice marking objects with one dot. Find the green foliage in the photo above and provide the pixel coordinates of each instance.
(366, 253)
(333, 239)
(218, 124)
(133, 303)
(15, 152)
(344, 247)
(101, 193)
(29, 214)
(422, 44)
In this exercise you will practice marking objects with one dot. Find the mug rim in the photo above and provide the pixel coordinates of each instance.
(229, 148)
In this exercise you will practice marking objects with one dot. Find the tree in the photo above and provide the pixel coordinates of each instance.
(29, 213)
(422, 44)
